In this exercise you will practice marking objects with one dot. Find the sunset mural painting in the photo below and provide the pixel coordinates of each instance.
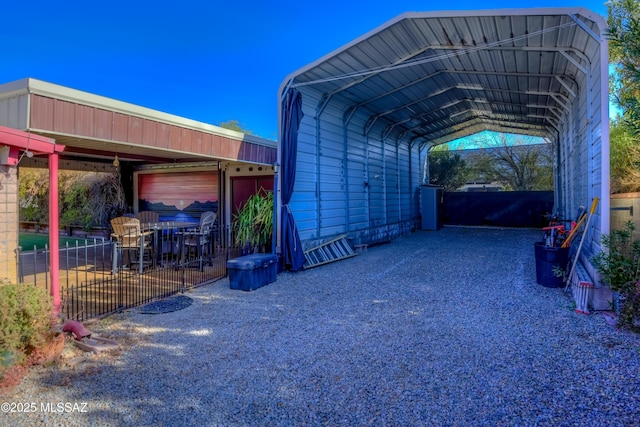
(178, 196)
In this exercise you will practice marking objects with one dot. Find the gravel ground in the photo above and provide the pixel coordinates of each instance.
(435, 328)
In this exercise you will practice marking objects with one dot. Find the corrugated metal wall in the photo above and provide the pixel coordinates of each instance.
(14, 111)
(580, 154)
(347, 183)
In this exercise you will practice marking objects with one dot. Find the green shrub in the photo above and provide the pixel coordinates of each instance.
(25, 319)
(619, 265)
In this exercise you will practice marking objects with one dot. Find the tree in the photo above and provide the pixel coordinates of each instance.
(87, 198)
(447, 169)
(518, 165)
(235, 125)
(624, 51)
(625, 158)
(624, 87)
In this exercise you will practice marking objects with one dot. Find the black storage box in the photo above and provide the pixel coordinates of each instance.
(250, 272)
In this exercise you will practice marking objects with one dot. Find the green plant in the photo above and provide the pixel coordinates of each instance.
(25, 320)
(254, 222)
(619, 265)
(559, 272)
(86, 198)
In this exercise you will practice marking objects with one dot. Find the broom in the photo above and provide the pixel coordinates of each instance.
(586, 228)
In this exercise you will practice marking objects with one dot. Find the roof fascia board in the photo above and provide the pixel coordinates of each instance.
(42, 88)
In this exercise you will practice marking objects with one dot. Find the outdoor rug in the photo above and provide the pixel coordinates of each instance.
(168, 305)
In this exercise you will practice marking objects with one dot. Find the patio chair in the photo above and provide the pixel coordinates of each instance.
(148, 217)
(199, 239)
(129, 237)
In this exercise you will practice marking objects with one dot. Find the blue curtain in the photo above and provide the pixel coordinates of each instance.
(291, 116)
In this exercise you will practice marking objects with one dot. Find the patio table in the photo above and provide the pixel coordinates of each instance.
(174, 229)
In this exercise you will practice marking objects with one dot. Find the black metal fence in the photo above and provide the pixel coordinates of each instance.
(99, 277)
(498, 208)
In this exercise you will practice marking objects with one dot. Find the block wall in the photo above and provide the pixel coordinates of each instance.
(8, 223)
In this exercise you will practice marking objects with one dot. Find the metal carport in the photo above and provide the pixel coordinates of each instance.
(374, 107)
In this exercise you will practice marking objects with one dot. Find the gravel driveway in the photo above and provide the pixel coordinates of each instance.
(434, 328)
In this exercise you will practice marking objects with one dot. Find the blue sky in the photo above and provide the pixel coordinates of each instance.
(201, 59)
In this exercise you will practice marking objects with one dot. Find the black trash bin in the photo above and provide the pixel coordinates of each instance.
(547, 258)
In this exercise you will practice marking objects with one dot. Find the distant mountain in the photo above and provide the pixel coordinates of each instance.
(171, 213)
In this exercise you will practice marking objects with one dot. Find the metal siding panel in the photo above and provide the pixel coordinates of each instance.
(64, 116)
(231, 148)
(207, 143)
(186, 136)
(304, 199)
(135, 130)
(120, 127)
(163, 135)
(376, 184)
(174, 138)
(14, 111)
(391, 183)
(41, 113)
(216, 145)
(103, 124)
(331, 197)
(85, 124)
(149, 133)
(405, 182)
(198, 146)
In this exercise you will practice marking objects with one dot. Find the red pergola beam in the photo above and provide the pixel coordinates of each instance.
(18, 140)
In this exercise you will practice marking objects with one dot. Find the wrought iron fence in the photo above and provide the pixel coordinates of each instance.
(99, 277)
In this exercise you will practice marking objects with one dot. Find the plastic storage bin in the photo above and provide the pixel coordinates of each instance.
(250, 272)
(547, 258)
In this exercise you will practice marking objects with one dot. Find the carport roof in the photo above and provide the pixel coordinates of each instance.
(446, 75)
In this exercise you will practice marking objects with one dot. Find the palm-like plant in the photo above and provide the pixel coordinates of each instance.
(253, 224)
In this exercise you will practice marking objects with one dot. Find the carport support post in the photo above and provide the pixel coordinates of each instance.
(54, 255)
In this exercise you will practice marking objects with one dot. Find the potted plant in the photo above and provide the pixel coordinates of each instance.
(253, 224)
(619, 266)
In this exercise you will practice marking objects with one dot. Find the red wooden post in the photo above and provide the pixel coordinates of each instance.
(54, 250)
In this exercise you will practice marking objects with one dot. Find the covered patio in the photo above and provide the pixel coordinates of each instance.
(177, 167)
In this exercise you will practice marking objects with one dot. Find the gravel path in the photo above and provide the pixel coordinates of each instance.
(435, 328)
